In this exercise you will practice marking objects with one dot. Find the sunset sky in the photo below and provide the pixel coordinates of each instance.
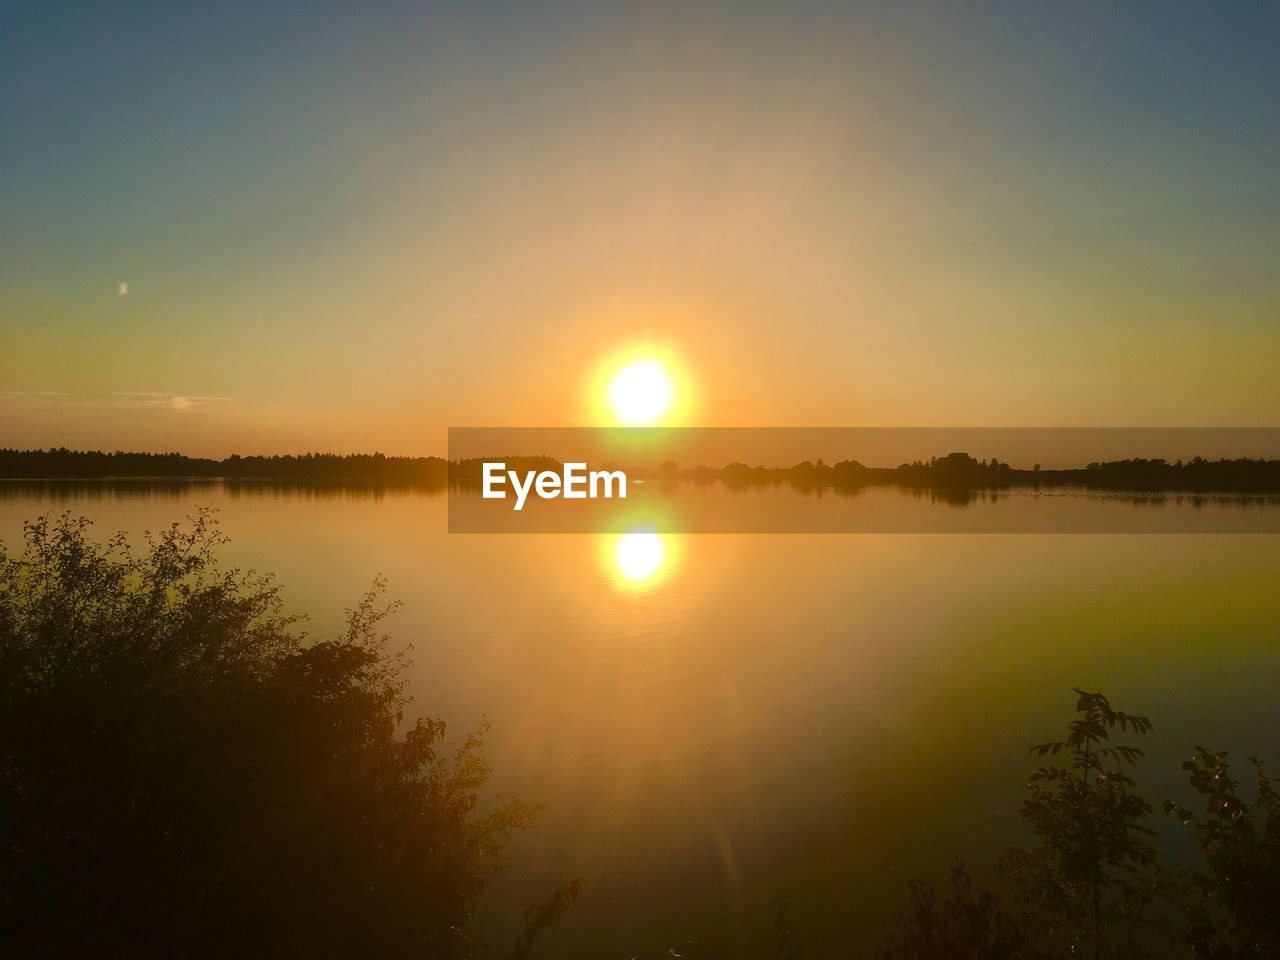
(343, 229)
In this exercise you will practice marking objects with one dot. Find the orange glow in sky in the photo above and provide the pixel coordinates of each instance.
(831, 215)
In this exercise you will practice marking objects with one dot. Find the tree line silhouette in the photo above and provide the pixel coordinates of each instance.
(960, 471)
(61, 463)
(955, 471)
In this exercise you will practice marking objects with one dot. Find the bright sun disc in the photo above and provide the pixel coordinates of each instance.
(640, 392)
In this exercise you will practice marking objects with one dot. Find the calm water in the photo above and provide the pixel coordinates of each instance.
(713, 721)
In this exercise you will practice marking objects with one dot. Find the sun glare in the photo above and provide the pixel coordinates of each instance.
(642, 383)
(640, 392)
(638, 556)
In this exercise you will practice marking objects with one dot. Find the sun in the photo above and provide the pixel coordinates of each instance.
(640, 392)
(644, 383)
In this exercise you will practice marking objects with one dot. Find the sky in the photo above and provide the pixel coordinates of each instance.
(349, 228)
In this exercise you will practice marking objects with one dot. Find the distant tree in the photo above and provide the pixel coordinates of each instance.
(184, 774)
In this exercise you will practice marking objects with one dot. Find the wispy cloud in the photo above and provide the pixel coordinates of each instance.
(36, 396)
(172, 401)
(120, 399)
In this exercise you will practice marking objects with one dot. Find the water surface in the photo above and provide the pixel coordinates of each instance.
(727, 719)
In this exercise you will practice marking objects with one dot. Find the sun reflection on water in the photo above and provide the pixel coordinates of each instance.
(640, 559)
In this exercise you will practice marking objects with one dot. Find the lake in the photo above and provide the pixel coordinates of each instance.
(714, 721)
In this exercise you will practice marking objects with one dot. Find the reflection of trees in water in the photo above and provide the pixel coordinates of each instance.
(175, 490)
(184, 774)
(951, 496)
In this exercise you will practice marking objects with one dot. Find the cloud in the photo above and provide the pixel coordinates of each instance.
(42, 398)
(34, 394)
(172, 401)
(120, 400)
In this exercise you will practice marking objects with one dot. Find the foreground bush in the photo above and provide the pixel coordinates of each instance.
(183, 774)
(1093, 885)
